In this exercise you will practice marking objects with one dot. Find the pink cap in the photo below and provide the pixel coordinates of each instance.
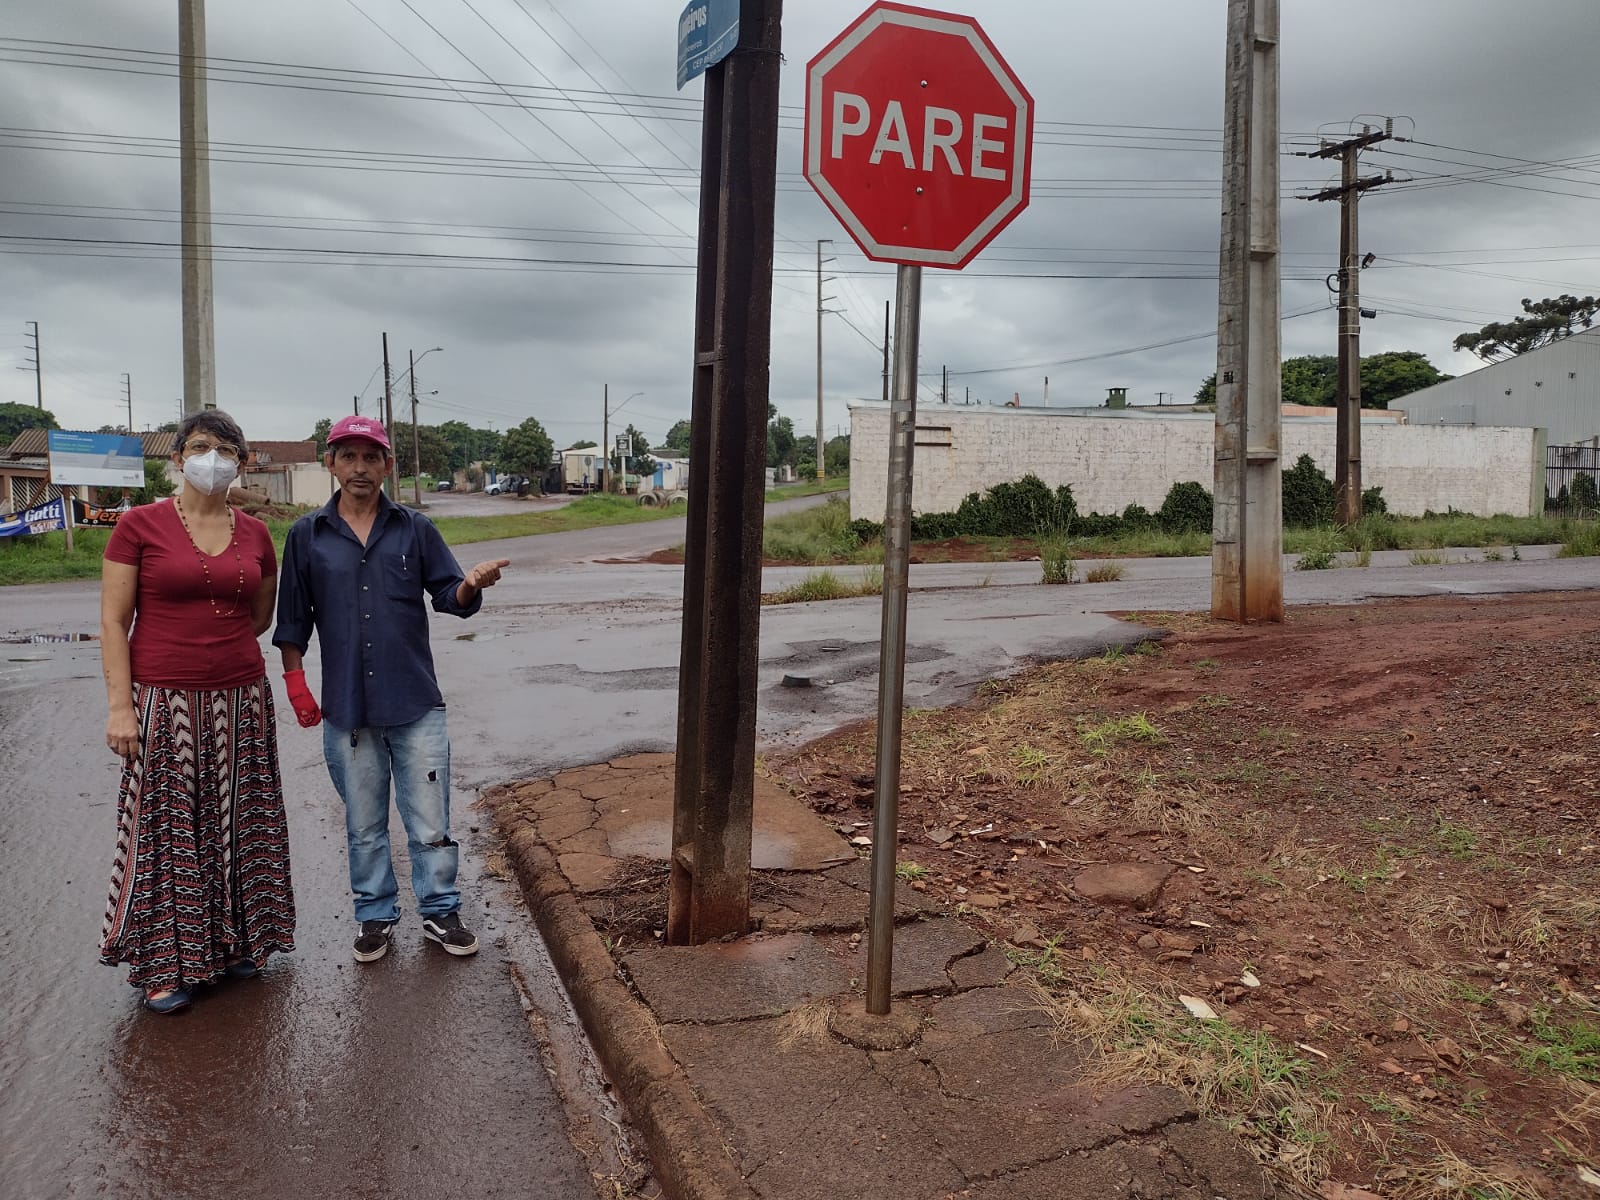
(366, 428)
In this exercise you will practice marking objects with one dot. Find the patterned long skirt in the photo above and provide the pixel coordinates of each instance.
(202, 866)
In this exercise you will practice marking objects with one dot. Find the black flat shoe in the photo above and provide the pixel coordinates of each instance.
(175, 1000)
(241, 968)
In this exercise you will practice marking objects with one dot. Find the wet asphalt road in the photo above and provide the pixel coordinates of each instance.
(421, 1074)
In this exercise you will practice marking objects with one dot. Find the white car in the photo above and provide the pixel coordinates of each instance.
(493, 489)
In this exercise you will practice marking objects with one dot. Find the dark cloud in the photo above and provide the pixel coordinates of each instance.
(298, 338)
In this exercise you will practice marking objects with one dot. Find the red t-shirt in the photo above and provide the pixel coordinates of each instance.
(179, 638)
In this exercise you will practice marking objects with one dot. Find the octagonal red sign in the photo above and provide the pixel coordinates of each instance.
(918, 135)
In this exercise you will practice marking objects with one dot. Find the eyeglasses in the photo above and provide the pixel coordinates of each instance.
(197, 446)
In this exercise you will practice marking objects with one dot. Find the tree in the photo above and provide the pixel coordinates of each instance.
(430, 444)
(527, 449)
(468, 445)
(1396, 373)
(1542, 322)
(157, 483)
(639, 460)
(678, 438)
(319, 434)
(1310, 379)
(1313, 379)
(780, 437)
(17, 418)
(837, 454)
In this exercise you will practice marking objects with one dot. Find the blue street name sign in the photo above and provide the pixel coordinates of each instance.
(708, 31)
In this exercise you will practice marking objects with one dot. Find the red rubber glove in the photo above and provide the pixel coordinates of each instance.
(301, 699)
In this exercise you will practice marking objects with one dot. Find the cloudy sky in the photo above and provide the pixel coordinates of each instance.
(366, 179)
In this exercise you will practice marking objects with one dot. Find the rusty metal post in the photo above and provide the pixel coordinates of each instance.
(1247, 532)
(892, 639)
(713, 806)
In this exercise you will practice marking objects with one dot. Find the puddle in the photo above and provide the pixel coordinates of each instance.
(40, 639)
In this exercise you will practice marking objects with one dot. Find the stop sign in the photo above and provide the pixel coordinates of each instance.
(918, 135)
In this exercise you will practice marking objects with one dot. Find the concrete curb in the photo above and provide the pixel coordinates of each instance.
(687, 1153)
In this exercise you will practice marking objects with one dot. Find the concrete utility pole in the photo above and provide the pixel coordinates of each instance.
(821, 440)
(1347, 449)
(127, 394)
(199, 337)
(388, 422)
(1247, 530)
(714, 786)
(605, 436)
(38, 364)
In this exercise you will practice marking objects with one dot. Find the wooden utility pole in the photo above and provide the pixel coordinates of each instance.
(886, 322)
(1247, 532)
(605, 437)
(199, 337)
(416, 440)
(1347, 441)
(714, 786)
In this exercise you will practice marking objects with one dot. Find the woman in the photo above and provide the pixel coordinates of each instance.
(200, 884)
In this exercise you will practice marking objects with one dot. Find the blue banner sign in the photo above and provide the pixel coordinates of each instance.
(98, 459)
(47, 518)
(708, 31)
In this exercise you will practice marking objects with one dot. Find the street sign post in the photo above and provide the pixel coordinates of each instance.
(919, 137)
(708, 31)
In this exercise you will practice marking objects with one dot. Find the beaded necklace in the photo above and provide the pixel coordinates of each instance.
(205, 567)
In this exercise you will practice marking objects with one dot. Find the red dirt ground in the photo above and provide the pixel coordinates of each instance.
(1385, 814)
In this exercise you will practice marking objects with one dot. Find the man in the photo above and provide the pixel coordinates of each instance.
(357, 571)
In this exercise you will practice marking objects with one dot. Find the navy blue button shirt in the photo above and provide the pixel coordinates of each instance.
(366, 605)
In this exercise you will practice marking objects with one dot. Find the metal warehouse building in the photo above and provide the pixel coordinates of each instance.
(1556, 388)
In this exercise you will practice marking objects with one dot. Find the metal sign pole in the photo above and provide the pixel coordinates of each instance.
(892, 643)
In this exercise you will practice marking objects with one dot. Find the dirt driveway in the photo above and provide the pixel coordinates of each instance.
(1365, 839)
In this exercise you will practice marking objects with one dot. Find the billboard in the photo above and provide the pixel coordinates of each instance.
(46, 518)
(96, 459)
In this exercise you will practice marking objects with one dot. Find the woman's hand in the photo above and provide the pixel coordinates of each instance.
(122, 733)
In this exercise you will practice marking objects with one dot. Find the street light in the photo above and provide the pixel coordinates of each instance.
(416, 441)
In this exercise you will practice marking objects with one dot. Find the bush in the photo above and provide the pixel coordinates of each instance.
(1307, 495)
(1372, 502)
(1323, 552)
(866, 531)
(1137, 516)
(1585, 496)
(1187, 508)
(156, 483)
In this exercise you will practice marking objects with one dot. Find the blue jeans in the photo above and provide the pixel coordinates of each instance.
(417, 756)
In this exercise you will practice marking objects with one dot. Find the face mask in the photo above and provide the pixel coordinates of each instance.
(210, 472)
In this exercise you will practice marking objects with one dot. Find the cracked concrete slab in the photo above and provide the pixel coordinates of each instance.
(923, 952)
(757, 976)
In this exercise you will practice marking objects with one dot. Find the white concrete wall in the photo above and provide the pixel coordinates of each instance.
(1112, 462)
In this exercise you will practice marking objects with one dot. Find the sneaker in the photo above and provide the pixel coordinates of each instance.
(374, 941)
(447, 931)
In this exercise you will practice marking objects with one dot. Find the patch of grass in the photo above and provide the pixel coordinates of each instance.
(1106, 572)
(910, 871)
(1471, 993)
(1581, 540)
(1056, 561)
(1321, 550)
(1032, 765)
(1571, 1050)
(1240, 1076)
(825, 585)
(1459, 842)
(815, 535)
(1100, 740)
(793, 491)
(1426, 558)
(1045, 963)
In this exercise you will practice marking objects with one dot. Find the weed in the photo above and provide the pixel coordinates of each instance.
(910, 871)
(1572, 1050)
(1581, 540)
(1108, 572)
(825, 585)
(1493, 554)
(1114, 653)
(1045, 963)
(1100, 740)
(1056, 561)
(1032, 765)
(1459, 842)
(1462, 990)
(1426, 558)
(1207, 664)
(1321, 552)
